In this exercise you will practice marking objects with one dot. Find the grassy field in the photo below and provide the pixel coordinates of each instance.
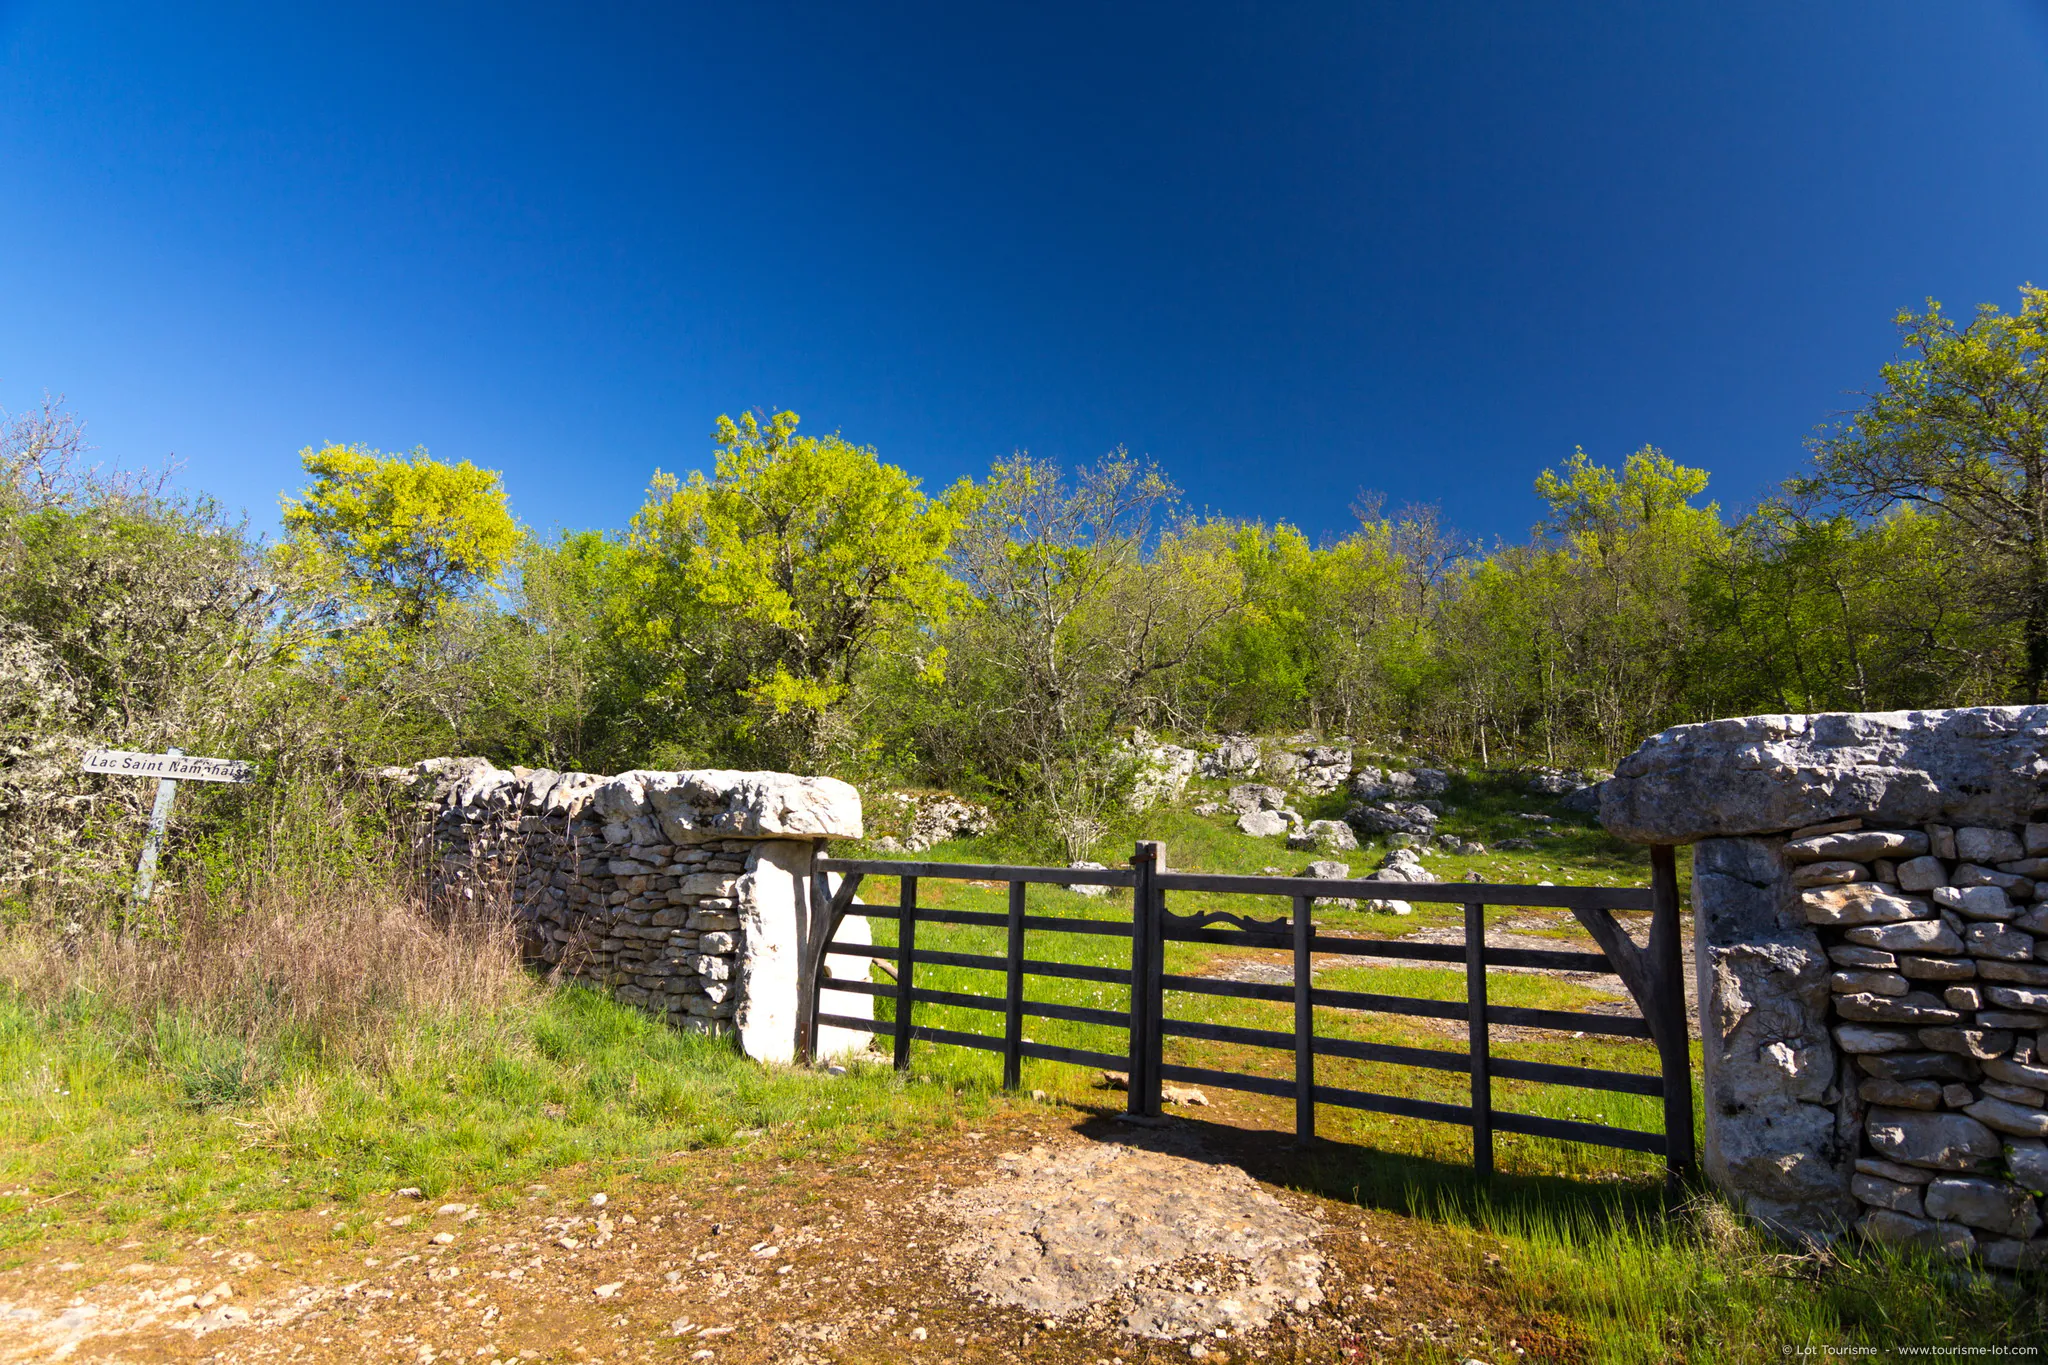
(317, 1056)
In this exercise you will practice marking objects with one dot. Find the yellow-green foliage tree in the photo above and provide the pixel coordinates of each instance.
(771, 582)
(408, 534)
(1960, 428)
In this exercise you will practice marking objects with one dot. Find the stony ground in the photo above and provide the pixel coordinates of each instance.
(1047, 1235)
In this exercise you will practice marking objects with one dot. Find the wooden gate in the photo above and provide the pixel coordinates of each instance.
(1652, 975)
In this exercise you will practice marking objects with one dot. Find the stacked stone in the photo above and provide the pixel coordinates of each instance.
(674, 891)
(1937, 938)
(656, 924)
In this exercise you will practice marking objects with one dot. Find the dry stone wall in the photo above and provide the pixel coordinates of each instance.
(683, 893)
(1870, 898)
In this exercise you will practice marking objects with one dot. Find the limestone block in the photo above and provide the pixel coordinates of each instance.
(2030, 998)
(1945, 1142)
(1922, 874)
(1897, 1229)
(717, 803)
(1901, 1094)
(1769, 1061)
(2003, 1253)
(2007, 1117)
(1917, 1007)
(2026, 1159)
(1998, 942)
(1990, 1205)
(1976, 902)
(2018, 1073)
(1910, 936)
(1855, 1038)
(1829, 873)
(1870, 983)
(1915, 968)
(1982, 844)
(1262, 824)
(1974, 766)
(1888, 1194)
(1865, 903)
(1849, 955)
(1891, 1170)
(1975, 1043)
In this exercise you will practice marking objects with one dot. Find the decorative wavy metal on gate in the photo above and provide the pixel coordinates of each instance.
(1209, 919)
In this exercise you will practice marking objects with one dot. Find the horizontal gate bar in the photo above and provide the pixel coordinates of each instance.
(1481, 893)
(1042, 1009)
(1571, 1130)
(881, 1026)
(1547, 958)
(1228, 938)
(1229, 1080)
(1585, 1078)
(1079, 1056)
(1226, 1033)
(1396, 1056)
(1056, 924)
(982, 872)
(1399, 1105)
(1555, 959)
(983, 1041)
(1613, 1025)
(1389, 1004)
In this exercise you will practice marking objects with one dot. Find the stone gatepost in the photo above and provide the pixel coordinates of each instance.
(1872, 950)
(687, 894)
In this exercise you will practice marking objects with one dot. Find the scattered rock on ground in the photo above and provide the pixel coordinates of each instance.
(1332, 835)
(1235, 756)
(1391, 817)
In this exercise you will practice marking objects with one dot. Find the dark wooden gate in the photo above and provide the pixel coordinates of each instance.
(1652, 974)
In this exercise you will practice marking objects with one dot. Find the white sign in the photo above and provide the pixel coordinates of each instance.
(176, 767)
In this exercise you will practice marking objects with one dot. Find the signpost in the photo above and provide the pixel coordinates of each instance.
(169, 768)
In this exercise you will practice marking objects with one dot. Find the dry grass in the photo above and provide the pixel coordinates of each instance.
(322, 972)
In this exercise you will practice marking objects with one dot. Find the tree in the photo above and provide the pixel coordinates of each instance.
(1080, 619)
(408, 533)
(779, 574)
(1960, 426)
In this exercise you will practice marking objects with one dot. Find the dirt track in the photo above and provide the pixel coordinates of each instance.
(731, 1258)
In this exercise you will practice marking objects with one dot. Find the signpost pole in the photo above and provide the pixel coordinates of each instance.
(159, 819)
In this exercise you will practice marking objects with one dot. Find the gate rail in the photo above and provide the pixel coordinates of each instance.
(1652, 974)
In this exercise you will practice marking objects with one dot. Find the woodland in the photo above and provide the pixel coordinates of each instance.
(804, 604)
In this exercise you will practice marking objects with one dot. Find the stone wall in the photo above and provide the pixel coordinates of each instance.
(1873, 963)
(686, 894)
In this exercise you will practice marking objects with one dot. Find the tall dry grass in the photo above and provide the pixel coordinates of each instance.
(334, 972)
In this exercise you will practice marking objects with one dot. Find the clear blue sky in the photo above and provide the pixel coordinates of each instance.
(1288, 251)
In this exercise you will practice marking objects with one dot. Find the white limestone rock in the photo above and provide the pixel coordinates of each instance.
(1989, 1205)
(1944, 1142)
(1974, 766)
(1864, 903)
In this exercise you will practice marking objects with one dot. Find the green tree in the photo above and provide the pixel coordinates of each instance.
(776, 577)
(1960, 427)
(1082, 619)
(407, 533)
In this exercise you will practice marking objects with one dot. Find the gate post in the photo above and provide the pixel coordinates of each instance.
(1670, 1028)
(1147, 959)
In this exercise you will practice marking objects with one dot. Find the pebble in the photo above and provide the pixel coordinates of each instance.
(599, 1200)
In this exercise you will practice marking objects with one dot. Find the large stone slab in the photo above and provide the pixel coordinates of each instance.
(1974, 766)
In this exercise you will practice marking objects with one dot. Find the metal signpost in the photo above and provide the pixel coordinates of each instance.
(169, 768)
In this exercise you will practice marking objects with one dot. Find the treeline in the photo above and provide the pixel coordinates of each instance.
(805, 604)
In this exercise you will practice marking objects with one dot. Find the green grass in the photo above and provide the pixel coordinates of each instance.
(117, 1127)
(187, 1127)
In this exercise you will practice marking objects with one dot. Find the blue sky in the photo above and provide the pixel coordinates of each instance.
(1288, 251)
